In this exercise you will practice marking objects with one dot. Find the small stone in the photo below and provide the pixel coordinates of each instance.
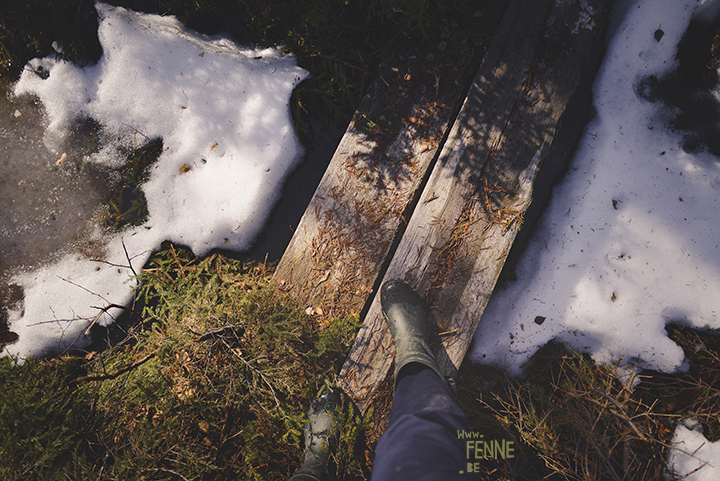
(430, 57)
(442, 46)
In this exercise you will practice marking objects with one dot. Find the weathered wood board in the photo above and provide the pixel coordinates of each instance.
(468, 214)
(341, 244)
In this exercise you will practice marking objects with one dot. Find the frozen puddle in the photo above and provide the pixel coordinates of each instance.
(43, 205)
(222, 112)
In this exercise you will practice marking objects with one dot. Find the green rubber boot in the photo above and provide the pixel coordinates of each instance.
(407, 319)
(322, 435)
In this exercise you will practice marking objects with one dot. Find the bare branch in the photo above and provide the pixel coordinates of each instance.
(103, 377)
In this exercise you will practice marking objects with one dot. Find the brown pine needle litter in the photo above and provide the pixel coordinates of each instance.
(213, 384)
(572, 419)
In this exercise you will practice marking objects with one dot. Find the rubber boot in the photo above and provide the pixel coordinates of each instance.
(322, 435)
(407, 319)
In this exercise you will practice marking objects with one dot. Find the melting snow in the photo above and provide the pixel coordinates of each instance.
(631, 238)
(222, 112)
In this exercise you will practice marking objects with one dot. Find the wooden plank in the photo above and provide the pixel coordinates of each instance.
(467, 217)
(334, 258)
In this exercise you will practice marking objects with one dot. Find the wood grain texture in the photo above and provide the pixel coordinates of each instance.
(468, 214)
(341, 244)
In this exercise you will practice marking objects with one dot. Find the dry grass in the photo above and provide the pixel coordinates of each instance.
(213, 384)
(573, 419)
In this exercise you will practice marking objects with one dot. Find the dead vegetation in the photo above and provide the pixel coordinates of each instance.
(215, 382)
(212, 384)
(573, 419)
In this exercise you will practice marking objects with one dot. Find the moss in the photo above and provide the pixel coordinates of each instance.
(42, 421)
(214, 384)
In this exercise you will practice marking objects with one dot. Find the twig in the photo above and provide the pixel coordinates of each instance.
(104, 310)
(83, 288)
(604, 458)
(175, 473)
(258, 372)
(623, 416)
(127, 256)
(642, 434)
(220, 331)
(123, 370)
(617, 404)
(694, 470)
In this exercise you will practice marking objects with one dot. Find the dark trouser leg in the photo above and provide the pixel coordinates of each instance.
(421, 441)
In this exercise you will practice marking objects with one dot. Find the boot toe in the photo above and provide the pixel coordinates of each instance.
(395, 290)
(403, 309)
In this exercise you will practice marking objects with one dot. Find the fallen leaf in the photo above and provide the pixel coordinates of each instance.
(313, 311)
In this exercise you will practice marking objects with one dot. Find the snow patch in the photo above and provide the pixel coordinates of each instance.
(228, 144)
(693, 457)
(629, 240)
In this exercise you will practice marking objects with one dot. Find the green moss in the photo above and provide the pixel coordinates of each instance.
(43, 423)
(215, 384)
(216, 381)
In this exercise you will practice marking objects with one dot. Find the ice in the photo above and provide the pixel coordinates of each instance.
(222, 111)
